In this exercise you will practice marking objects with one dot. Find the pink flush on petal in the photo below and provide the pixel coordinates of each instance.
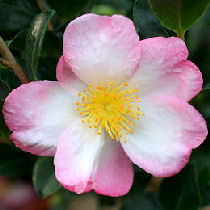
(117, 100)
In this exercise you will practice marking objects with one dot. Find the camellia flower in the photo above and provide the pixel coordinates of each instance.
(117, 100)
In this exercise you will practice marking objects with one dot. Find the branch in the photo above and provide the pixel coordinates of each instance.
(10, 62)
(5, 63)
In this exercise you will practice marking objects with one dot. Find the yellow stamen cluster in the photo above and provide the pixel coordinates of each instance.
(112, 108)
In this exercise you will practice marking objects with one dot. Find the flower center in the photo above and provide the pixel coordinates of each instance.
(111, 108)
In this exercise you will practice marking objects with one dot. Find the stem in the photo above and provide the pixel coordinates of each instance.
(5, 63)
(10, 62)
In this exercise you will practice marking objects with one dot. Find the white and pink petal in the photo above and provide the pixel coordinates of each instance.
(37, 113)
(101, 49)
(164, 70)
(114, 175)
(85, 161)
(67, 78)
(77, 152)
(164, 138)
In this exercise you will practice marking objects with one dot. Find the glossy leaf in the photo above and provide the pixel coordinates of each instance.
(53, 50)
(145, 21)
(17, 14)
(35, 38)
(181, 192)
(44, 179)
(178, 15)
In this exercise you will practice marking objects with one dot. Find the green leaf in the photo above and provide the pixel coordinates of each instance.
(181, 192)
(201, 160)
(44, 179)
(67, 9)
(145, 21)
(178, 15)
(35, 38)
(8, 81)
(9, 78)
(18, 42)
(13, 161)
(52, 45)
(17, 14)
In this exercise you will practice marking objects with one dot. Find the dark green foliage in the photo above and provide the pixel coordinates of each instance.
(178, 15)
(145, 21)
(181, 192)
(147, 201)
(68, 9)
(35, 38)
(13, 161)
(17, 14)
(44, 179)
(8, 82)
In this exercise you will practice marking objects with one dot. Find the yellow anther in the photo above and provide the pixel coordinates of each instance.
(110, 108)
(111, 84)
(100, 88)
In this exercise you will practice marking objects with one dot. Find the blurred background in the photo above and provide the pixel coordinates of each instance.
(27, 182)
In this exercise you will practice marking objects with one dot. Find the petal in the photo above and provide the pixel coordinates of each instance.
(64, 73)
(37, 113)
(164, 70)
(101, 48)
(77, 151)
(166, 135)
(67, 78)
(114, 175)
